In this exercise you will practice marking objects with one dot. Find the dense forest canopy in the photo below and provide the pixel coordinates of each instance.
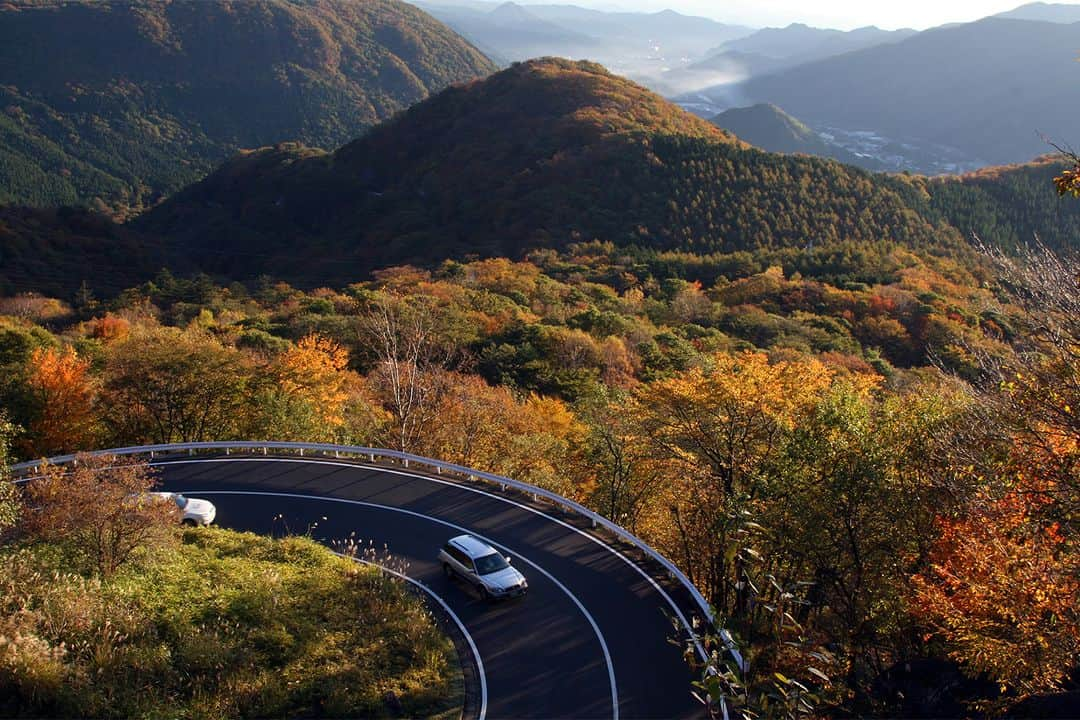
(116, 104)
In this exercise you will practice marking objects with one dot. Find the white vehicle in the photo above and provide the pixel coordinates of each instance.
(194, 510)
(482, 566)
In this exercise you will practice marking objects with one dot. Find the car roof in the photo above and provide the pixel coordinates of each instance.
(471, 546)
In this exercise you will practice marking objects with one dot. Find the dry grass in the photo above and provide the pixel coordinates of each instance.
(224, 625)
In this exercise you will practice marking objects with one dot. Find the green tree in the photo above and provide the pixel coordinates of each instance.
(167, 385)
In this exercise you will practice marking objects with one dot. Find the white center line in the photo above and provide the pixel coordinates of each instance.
(390, 508)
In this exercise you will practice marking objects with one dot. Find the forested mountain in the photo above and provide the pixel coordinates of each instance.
(114, 104)
(1009, 206)
(985, 90)
(543, 154)
(770, 128)
(58, 250)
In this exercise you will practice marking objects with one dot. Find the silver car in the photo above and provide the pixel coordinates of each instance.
(482, 566)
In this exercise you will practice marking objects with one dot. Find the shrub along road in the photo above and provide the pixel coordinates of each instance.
(591, 639)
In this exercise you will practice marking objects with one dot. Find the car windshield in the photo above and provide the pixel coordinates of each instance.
(181, 501)
(490, 563)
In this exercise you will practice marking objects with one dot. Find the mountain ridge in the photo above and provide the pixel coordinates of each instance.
(117, 104)
(546, 153)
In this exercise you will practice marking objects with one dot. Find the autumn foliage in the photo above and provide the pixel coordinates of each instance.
(64, 396)
(314, 369)
(1002, 589)
(100, 509)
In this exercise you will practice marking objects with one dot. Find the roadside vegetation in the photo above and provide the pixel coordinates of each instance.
(197, 623)
(868, 464)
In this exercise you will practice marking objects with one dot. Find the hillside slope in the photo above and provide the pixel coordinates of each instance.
(543, 154)
(116, 104)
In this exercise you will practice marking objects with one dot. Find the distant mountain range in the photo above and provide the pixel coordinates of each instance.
(981, 91)
(508, 33)
(801, 43)
(945, 100)
(721, 73)
(116, 104)
(632, 44)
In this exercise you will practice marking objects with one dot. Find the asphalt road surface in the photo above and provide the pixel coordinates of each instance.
(591, 639)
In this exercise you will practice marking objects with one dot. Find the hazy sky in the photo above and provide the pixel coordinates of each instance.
(842, 14)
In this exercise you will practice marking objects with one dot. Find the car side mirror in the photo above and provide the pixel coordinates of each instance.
(509, 560)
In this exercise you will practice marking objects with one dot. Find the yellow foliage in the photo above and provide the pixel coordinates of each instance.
(316, 369)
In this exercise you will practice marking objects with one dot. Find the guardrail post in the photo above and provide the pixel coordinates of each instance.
(406, 461)
(372, 457)
(301, 452)
(228, 451)
(438, 469)
(264, 451)
(337, 454)
(151, 454)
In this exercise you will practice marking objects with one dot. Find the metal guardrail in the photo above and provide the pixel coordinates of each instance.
(373, 455)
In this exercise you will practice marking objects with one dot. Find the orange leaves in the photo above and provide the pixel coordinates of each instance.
(316, 369)
(65, 419)
(728, 415)
(1001, 589)
(108, 328)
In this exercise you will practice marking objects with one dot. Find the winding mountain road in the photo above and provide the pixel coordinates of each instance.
(592, 639)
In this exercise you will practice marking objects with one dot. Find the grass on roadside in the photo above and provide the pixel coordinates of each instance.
(226, 625)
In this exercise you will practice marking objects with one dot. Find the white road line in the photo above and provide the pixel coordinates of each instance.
(542, 571)
(457, 620)
(671, 603)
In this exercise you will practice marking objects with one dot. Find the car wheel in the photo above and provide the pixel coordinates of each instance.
(484, 594)
(188, 522)
(447, 570)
